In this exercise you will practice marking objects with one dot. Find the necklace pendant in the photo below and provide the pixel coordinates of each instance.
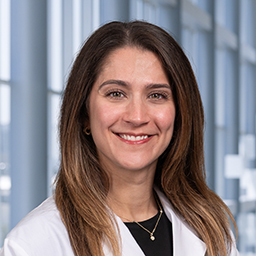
(152, 237)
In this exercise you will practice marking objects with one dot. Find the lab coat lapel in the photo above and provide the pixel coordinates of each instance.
(185, 242)
(129, 244)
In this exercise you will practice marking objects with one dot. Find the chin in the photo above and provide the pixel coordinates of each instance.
(136, 166)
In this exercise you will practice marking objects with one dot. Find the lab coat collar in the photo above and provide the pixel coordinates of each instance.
(185, 242)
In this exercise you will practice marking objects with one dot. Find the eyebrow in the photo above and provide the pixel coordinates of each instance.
(117, 82)
(123, 83)
(155, 86)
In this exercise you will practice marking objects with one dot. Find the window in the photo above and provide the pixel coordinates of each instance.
(70, 23)
(5, 108)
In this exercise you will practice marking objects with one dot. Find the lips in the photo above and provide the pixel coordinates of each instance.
(132, 137)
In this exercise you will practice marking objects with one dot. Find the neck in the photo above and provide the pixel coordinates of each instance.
(131, 197)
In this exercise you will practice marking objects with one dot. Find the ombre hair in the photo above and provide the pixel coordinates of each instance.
(82, 184)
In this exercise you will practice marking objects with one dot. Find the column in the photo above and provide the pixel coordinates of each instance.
(28, 106)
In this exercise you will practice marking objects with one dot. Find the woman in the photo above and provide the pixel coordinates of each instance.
(131, 180)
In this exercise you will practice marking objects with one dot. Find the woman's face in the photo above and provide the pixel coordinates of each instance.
(132, 110)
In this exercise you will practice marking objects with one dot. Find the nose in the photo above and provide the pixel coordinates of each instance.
(136, 113)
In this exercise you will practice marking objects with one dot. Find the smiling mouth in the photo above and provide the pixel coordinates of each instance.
(132, 137)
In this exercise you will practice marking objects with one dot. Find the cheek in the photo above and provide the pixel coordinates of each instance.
(103, 116)
(165, 118)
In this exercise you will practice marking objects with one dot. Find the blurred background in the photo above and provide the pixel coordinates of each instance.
(39, 40)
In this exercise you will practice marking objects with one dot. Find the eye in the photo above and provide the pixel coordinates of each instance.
(157, 95)
(115, 94)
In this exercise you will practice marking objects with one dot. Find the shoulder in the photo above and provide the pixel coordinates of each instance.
(41, 232)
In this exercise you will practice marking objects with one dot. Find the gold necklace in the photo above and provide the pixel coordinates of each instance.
(152, 237)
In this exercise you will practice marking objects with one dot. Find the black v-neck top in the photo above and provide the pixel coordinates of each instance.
(163, 243)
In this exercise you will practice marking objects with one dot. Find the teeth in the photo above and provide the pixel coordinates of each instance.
(133, 138)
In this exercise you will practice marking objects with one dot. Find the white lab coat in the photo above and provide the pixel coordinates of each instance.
(42, 233)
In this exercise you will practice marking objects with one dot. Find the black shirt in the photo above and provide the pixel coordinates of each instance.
(162, 245)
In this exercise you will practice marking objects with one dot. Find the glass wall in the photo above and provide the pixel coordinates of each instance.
(219, 38)
(5, 88)
(69, 24)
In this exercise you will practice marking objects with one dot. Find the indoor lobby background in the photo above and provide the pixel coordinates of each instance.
(38, 42)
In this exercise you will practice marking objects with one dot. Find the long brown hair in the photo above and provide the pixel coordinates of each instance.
(82, 185)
